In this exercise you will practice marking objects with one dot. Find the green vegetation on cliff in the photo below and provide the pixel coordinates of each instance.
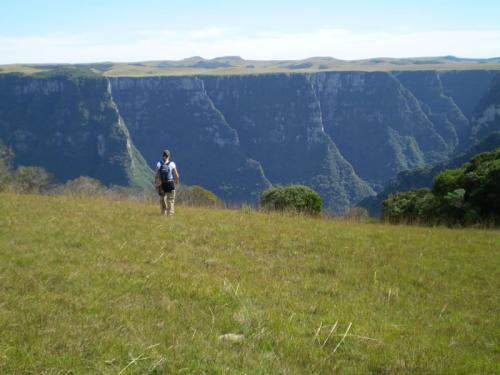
(93, 286)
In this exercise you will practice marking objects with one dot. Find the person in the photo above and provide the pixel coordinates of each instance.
(166, 178)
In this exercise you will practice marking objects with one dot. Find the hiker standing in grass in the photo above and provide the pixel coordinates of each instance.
(165, 180)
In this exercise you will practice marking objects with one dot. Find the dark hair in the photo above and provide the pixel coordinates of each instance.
(166, 153)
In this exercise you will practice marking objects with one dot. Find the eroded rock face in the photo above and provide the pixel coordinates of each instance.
(378, 124)
(345, 134)
(236, 135)
(177, 113)
(70, 127)
(486, 118)
(279, 121)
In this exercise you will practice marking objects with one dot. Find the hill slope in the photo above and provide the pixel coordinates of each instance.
(85, 291)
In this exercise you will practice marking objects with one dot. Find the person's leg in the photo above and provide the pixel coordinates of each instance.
(170, 202)
(163, 204)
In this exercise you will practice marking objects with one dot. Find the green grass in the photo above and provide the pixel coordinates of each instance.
(125, 70)
(228, 66)
(95, 286)
(17, 68)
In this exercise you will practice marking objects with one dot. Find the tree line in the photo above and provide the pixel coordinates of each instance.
(466, 195)
(36, 180)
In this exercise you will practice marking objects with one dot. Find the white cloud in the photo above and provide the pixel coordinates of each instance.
(213, 42)
(208, 33)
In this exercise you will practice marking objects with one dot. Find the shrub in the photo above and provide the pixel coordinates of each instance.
(23, 179)
(247, 208)
(31, 180)
(297, 198)
(82, 186)
(482, 184)
(90, 187)
(409, 206)
(447, 181)
(357, 214)
(197, 196)
(6, 176)
(466, 195)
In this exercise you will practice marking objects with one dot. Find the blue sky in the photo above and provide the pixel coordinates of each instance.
(126, 30)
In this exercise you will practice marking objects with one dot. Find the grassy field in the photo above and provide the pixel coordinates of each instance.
(94, 286)
(238, 66)
(264, 67)
(18, 68)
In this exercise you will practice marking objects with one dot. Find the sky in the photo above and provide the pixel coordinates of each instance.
(75, 31)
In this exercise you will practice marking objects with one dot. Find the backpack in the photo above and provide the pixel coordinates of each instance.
(165, 172)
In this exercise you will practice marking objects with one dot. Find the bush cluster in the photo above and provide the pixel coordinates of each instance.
(466, 195)
(36, 180)
(197, 196)
(25, 179)
(294, 198)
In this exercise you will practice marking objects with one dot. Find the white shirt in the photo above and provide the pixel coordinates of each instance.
(171, 165)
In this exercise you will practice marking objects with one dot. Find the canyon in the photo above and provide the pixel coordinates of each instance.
(343, 133)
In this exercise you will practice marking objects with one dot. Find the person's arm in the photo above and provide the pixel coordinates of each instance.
(157, 179)
(157, 176)
(176, 175)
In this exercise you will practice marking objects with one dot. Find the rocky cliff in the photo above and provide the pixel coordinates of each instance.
(179, 114)
(236, 135)
(71, 126)
(343, 133)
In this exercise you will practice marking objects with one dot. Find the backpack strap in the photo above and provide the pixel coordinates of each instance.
(162, 163)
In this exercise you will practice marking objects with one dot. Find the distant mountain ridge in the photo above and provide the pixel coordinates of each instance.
(235, 65)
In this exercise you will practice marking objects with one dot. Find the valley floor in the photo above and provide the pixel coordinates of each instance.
(95, 286)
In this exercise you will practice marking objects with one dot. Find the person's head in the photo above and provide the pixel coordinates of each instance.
(166, 154)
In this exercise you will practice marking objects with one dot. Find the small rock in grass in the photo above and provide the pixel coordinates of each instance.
(232, 337)
(211, 262)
